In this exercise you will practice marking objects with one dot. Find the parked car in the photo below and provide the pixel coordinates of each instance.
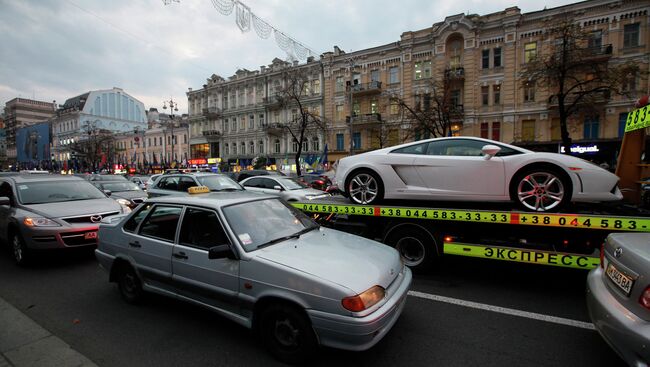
(141, 181)
(474, 169)
(125, 193)
(618, 296)
(316, 181)
(39, 212)
(242, 175)
(258, 261)
(288, 188)
(106, 177)
(177, 184)
(152, 180)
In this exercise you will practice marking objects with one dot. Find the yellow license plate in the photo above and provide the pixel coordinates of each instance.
(623, 281)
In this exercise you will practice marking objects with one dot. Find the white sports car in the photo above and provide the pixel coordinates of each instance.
(474, 169)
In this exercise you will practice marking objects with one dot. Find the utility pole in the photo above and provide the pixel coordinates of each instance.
(173, 106)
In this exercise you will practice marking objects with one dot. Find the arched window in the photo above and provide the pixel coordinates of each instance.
(260, 147)
(227, 149)
(251, 147)
(242, 148)
(234, 148)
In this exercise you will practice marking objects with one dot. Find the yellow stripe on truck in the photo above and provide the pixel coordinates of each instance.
(528, 256)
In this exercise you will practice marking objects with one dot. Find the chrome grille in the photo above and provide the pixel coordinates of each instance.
(86, 218)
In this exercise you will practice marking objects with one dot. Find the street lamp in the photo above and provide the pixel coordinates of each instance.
(173, 106)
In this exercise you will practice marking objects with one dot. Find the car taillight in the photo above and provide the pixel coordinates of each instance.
(644, 300)
(602, 256)
(364, 300)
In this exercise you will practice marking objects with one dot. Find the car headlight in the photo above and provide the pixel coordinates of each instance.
(364, 300)
(125, 209)
(123, 202)
(40, 222)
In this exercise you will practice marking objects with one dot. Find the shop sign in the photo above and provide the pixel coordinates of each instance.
(197, 161)
(581, 149)
(214, 160)
(638, 119)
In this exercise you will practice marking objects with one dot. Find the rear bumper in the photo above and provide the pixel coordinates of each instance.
(361, 333)
(625, 332)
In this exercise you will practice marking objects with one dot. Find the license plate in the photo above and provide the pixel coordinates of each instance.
(621, 280)
(90, 235)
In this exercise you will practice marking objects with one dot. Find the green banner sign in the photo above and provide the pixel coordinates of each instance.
(638, 119)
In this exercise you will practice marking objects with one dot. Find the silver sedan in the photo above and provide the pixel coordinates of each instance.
(288, 188)
(262, 263)
(618, 296)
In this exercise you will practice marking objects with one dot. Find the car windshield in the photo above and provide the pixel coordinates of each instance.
(56, 191)
(262, 223)
(109, 178)
(292, 183)
(219, 183)
(120, 186)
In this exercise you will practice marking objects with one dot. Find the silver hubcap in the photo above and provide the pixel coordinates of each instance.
(540, 191)
(363, 188)
(18, 249)
(285, 333)
(412, 250)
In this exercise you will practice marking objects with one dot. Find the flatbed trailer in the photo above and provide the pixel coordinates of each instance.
(424, 234)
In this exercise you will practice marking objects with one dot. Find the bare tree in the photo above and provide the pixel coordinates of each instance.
(433, 111)
(576, 72)
(95, 144)
(293, 95)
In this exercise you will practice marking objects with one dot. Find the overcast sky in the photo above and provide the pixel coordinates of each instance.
(58, 49)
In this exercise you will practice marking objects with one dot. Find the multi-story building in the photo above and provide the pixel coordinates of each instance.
(20, 113)
(240, 118)
(110, 110)
(483, 56)
(3, 148)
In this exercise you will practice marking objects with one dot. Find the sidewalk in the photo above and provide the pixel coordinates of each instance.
(25, 343)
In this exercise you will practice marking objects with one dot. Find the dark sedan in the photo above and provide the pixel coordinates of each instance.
(125, 193)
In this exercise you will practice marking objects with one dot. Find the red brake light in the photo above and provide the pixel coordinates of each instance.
(644, 300)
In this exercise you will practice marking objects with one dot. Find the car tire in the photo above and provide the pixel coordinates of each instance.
(129, 285)
(287, 334)
(541, 189)
(367, 186)
(416, 246)
(22, 255)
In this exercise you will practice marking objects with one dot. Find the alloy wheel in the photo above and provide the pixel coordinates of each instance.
(364, 188)
(540, 191)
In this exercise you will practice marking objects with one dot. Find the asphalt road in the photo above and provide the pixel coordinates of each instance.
(69, 295)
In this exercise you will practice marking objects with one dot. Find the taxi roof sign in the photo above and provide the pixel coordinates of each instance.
(198, 190)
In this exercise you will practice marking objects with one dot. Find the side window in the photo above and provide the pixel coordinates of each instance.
(168, 183)
(456, 147)
(162, 223)
(133, 222)
(5, 190)
(202, 229)
(253, 182)
(268, 183)
(412, 149)
(185, 183)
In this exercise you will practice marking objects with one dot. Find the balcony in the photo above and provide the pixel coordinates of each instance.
(272, 102)
(211, 133)
(366, 119)
(455, 73)
(603, 52)
(273, 128)
(212, 112)
(361, 89)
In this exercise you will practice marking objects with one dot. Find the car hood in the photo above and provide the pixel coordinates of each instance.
(308, 192)
(348, 260)
(75, 208)
(129, 194)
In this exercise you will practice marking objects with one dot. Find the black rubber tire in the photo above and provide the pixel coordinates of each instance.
(287, 334)
(380, 187)
(21, 254)
(557, 172)
(129, 285)
(416, 246)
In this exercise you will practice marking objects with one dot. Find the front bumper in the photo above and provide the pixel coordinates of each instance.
(625, 332)
(46, 238)
(361, 333)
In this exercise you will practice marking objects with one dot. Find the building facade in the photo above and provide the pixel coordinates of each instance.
(20, 113)
(240, 118)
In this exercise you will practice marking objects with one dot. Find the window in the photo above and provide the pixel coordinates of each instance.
(339, 112)
(316, 87)
(530, 51)
(629, 83)
(456, 147)
(260, 147)
(305, 145)
(168, 183)
(233, 125)
(529, 92)
(184, 183)
(277, 145)
(340, 85)
(496, 131)
(631, 35)
(394, 106)
(294, 146)
(374, 75)
(528, 130)
(315, 144)
(556, 132)
(622, 119)
(260, 120)
(225, 125)
(234, 148)
(242, 123)
(455, 98)
(595, 41)
(496, 93)
(242, 148)
(356, 109)
(485, 95)
(591, 127)
(422, 69)
(251, 147)
(251, 122)
(420, 148)
(485, 59)
(374, 108)
(254, 182)
(132, 223)
(227, 149)
(160, 140)
(484, 130)
(393, 72)
(497, 57)
(162, 223)
(356, 140)
(202, 229)
(339, 142)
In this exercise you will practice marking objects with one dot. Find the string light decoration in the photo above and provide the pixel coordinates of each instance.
(246, 19)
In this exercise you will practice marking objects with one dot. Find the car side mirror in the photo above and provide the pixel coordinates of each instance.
(5, 200)
(490, 151)
(277, 187)
(108, 192)
(220, 252)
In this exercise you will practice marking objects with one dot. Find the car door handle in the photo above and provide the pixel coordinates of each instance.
(180, 255)
(135, 244)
